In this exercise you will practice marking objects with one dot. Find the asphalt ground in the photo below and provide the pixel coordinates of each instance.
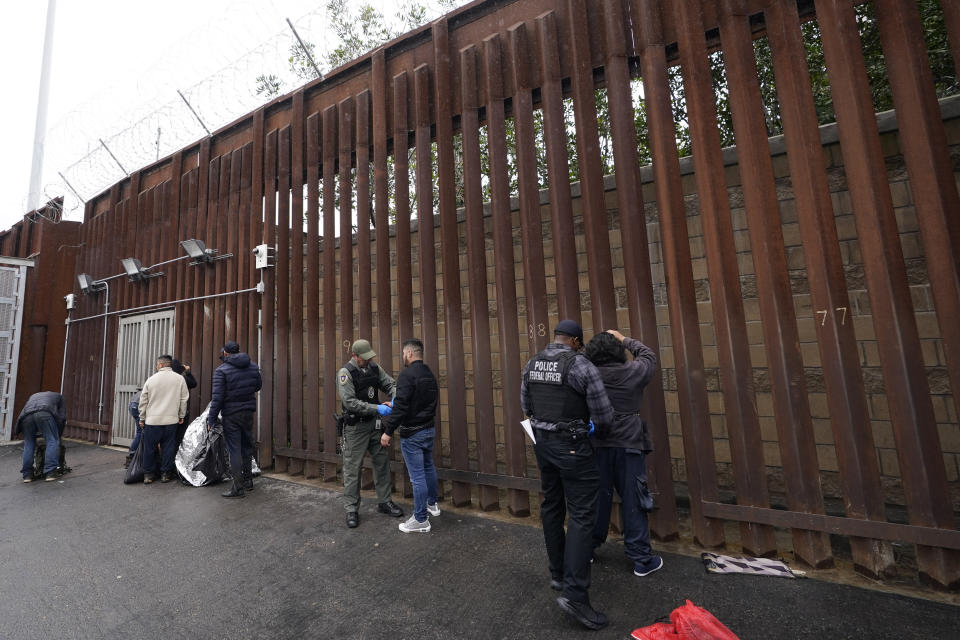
(89, 557)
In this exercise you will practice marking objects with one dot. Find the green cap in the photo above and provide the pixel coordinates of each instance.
(362, 349)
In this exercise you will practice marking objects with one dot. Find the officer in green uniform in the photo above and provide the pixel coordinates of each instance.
(359, 383)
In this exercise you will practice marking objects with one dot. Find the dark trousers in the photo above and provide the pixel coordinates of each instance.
(238, 432)
(164, 435)
(182, 428)
(569, 480)
(626, 471)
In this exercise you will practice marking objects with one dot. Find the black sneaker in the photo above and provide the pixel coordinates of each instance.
(583, 613)
(390, 509)
(353, 519)
(166, 476)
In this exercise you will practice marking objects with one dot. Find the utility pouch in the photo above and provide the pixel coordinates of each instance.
(340, 421)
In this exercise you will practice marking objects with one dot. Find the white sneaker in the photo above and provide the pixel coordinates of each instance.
(412, 526)
(433, 509)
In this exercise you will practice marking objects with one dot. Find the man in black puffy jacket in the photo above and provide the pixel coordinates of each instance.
(235, 384)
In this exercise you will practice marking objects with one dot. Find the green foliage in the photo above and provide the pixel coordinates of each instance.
(300, 63)
(268, 85)
(361, 29)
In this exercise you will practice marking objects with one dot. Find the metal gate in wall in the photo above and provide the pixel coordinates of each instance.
(13, 273)
(140, 340)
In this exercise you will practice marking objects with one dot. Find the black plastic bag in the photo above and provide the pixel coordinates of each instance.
(135, 468)
(213, 461)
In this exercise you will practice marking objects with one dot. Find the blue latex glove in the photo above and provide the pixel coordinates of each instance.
(592, 429)
(384, 410)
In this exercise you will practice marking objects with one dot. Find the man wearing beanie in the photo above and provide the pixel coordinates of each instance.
(564, 396)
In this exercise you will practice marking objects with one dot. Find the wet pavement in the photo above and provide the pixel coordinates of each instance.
(89, 557)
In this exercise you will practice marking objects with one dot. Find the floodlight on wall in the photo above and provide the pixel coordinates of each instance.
(89, 285)
(136, 271)
(200, 254)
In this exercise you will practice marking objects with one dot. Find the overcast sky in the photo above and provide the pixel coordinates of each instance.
(134, 53)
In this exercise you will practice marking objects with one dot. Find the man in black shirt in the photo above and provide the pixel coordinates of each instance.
(414, 407)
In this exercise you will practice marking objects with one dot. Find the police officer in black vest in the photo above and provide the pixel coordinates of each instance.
(359, 383)
(564, 396)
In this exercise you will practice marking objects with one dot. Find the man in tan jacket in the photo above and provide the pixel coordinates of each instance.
(163, 404)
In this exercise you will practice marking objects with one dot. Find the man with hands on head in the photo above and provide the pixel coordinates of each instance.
(359, 383)
(622, 451)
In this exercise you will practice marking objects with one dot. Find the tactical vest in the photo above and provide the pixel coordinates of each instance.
(552, 398)
(366, 385)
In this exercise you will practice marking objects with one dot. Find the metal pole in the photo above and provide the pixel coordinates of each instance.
(306, 51)
(113, 156)
(103, 356)
(168, 304)
(70, 186)
(66, 341)
(39, 132)
(189, 106)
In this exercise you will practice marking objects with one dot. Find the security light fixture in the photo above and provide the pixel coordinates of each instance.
(199, 253)
(136, 271)
(88, 284)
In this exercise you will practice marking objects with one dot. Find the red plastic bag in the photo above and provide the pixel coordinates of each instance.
(688, 622)
(658, 631)
(695, 623)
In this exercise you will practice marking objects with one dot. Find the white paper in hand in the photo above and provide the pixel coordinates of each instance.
(529, 429)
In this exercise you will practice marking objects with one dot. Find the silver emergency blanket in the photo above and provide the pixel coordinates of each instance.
(716, 563)
(192, 447)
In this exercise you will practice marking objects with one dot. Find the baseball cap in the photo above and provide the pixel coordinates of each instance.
(362, 348)
(569, 328)
(231, 347)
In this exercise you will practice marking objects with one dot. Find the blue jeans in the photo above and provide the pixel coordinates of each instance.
(136, 438)
(166, 436)
(417, 453)
(43, 423)
(625, 470)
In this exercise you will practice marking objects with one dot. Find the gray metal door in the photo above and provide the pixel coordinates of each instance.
(140, 340)
(12, 281)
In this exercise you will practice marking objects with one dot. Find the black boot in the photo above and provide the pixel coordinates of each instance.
(235, 490)
(248, 474)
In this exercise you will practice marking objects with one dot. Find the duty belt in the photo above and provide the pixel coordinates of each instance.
(574, 429)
